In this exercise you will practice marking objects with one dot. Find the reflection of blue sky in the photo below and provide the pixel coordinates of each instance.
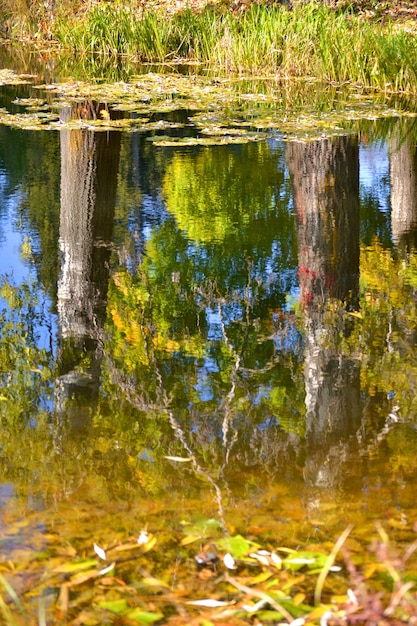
(16, 269)
(10, 239)
(374, 172)
(11, 262)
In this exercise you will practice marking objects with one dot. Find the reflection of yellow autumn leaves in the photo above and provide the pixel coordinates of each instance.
(141, 328)
(389, 321)
(383, 278)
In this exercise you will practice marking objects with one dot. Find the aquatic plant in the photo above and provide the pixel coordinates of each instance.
(310, 40)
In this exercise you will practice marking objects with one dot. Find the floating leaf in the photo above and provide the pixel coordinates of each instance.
(8, 77)
(100, 552)
(82, 577)
(155, 582)
(261, 558)
(107, 569)
(75, 566)
(209, 603)
(144, 546)
(261, 578)
(229, 561)
(276, 560)
(143, 537)
(190, 539)
(144, 617)
(115, 606)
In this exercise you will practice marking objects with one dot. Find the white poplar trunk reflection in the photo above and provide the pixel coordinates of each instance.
(325, 177)
(403, 179)
(75, 290)
(89, 165)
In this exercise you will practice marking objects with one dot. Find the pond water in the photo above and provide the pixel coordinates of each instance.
(199, 340)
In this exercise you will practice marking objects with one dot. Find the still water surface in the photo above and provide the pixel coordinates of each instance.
(246, 310)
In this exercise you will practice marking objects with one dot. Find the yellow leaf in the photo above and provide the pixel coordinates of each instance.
(75, 566)
(148, 546)
(298, 598)
(155, 582)
(189, 539)
(82, 577)
(261, 577)
(340, 599)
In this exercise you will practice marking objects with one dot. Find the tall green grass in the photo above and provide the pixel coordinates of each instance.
(310, 40)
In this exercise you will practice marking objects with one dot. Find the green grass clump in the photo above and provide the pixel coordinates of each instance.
(311, 40)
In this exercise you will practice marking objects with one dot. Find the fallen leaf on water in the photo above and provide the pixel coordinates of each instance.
(82, 577)
(155, 582)
(107, 569)
(144, 545)
(143, 537)
(210, 603)
(100, 552)
(75, 566)
(261, 578)
(299, 561)
(229, 561)
(115, 606)
(144, 617)
(276, 560)
(261, 558)
(190, 539)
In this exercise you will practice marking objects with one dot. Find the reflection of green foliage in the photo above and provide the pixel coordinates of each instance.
(215, 194)
(160, 320)
(24, 367)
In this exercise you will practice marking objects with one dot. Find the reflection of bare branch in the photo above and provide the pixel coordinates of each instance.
(180, 435)
(238, 371)
(226, 405)
(139, 403)
(125, 384)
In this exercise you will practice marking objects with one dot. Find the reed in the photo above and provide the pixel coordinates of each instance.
(310, 40)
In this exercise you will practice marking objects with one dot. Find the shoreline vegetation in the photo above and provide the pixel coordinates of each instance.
(356, 43)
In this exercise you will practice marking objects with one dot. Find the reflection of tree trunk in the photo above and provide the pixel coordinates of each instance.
(325, 177)
(89, 165)
(403, 175)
